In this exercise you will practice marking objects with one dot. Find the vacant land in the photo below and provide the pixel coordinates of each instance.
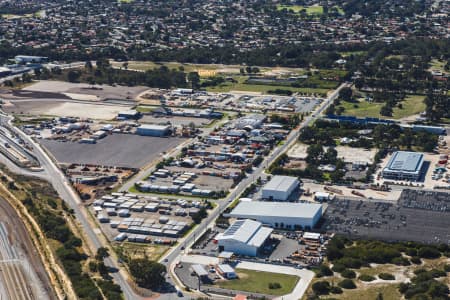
(258, 282)
(135, 250)
(102, 92)
(413, 104)
(121, 150)
(52, 107)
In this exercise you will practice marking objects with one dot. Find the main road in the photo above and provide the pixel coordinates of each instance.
(65, 191)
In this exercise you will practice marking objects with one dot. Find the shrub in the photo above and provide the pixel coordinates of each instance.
(411, 252)
(325, 270)
(336, 290)
(365, 277)
(447, 268)
(338, 268)
(274, 285)
(437, 273)
(419, 271)
(347, 284)
(416, 260)
(321, 287)
(322, 271)
(350, 262)
(348, 274)
(401, 261)
(428, 252)
(386, 276)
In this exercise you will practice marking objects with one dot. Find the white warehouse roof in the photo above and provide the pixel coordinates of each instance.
(281, 183)
(276, 209)
(248, 232)
(154, 127)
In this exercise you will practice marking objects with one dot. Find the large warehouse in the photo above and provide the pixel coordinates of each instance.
(404, 165)
(279, 214)
(153, 130)
(280, 188)
(243, 237)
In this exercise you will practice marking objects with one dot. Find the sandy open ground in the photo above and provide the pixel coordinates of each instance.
(65, 109)
(90, 92)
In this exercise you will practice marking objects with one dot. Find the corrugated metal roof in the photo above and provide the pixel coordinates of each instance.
(199, 270)
(246, 231)
(405, 161)
(276, 209)
(281, 183)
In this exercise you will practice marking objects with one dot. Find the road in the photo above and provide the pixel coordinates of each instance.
(173, 256)
(65, 191)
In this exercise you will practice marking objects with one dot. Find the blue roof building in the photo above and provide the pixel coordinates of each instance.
(404, 165)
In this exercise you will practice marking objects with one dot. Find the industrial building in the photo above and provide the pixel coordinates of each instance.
(279, 214)
(280, 188)
(243, 237)
(250, 122)
(153, 130)
(5, 71)
(129, 114)
(23, 59)
(404, 165)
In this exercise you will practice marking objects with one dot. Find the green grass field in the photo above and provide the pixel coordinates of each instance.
(313, 10)
(258, 282)
(413, 104)
(348, 53)
(438, 65)
(224, 88)
(310, 10)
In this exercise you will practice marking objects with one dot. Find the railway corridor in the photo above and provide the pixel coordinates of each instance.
(16, 279)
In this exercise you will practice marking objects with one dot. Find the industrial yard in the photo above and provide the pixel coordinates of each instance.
(121, 150)
(144, 219)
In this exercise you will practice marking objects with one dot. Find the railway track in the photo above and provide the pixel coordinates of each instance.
(14, 276)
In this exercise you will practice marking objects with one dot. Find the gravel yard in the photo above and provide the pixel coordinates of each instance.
(122, 150)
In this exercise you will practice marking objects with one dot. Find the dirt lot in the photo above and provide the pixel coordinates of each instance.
(101, 91)
(355, 155)
(421, 221)
(122, 150)
(65, 109)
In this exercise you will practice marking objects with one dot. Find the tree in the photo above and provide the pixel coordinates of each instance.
(315, 154)
(321, 287)
(194, 79)
(73, 76)
(347, 284)
(88, 65)
(147, 273)
(102, 253)
(386, 110)
(346, 94)
(102, 269)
